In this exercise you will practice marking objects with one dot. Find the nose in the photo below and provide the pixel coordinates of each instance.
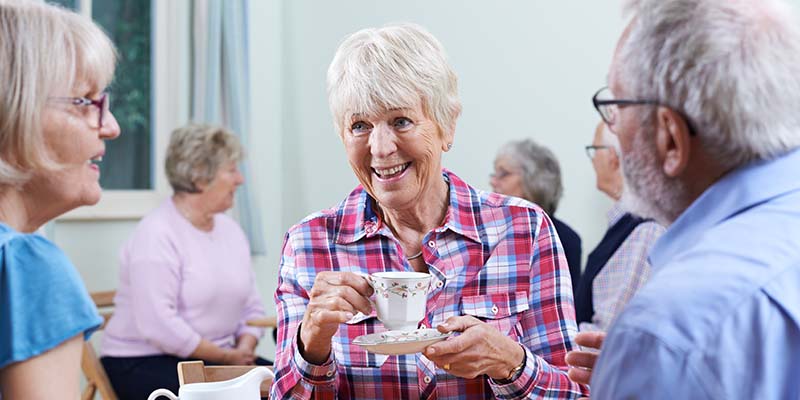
(382, 141)
(493, 182)
(110, 129)
(239, 178)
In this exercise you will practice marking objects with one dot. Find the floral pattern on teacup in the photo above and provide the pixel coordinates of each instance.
(400, 289)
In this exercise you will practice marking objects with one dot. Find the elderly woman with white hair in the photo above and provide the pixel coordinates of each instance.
(528, 170)
(186, 287)
(499, 277)
(54, 119)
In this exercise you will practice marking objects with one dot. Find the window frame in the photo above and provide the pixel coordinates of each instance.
(170, 109)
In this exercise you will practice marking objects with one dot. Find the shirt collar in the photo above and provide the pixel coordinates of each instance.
(742, 188)
(360, 220)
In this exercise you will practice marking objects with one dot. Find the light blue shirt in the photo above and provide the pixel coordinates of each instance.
(42, 299)
(720, 317)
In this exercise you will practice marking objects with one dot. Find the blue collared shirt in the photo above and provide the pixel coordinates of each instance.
(720, 317)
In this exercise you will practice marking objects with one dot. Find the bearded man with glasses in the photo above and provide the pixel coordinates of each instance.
(704, 98)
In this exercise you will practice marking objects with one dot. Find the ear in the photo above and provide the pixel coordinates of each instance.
(447, 138)
(201, 185)
(448, 133)
(672, 141)
(613, 159)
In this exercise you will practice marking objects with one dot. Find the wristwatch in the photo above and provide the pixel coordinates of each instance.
(516, 371)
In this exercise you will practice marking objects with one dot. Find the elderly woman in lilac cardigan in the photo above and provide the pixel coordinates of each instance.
(186, 284)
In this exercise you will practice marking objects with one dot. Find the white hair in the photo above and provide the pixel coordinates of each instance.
(541, 173)
(395, 66)
(731, 66)
(44, 51)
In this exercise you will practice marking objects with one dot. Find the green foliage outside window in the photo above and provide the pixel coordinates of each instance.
(127, 164)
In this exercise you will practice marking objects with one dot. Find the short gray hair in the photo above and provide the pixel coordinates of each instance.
(45, 51)
(395, 66)
(541, 173)
(732, 66)
(195, 154)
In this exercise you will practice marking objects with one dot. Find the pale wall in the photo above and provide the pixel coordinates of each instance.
(526, 69)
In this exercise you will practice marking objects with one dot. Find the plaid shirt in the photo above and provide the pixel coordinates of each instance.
(496, 258)
(623, 274)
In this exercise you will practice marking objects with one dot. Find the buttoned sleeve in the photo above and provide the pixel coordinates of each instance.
(548, 326)
(294, 376)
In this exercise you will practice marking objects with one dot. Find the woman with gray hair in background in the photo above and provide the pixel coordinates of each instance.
(525, 169)
(498, 276)
(54, 119)
(186, 284)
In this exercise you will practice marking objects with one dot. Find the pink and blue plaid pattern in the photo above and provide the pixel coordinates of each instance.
(496, 258)
(623, 274)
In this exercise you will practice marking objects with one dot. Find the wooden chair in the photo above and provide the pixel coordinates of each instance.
(197, 371)
(96, 377)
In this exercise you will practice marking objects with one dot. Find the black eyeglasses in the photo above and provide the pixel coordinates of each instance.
(608, 107)
(591, 150)
(100, 106)
(500, 174)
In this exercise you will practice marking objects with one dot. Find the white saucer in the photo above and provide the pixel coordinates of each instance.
(400, 342)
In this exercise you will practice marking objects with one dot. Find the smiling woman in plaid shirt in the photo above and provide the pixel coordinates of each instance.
(500, 278)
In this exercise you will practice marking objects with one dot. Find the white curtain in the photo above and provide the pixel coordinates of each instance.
(221, 91)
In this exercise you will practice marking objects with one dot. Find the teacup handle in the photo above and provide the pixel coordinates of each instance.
(162, 392)
(368, 278)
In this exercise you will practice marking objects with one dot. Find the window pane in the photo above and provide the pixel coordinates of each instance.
(127, 163)
(66, 3)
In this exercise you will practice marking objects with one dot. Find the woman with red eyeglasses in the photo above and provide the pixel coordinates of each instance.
(54, 120)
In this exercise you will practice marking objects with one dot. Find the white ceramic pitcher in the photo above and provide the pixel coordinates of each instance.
(245, 387)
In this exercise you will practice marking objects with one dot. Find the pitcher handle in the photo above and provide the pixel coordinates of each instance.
(162, 392)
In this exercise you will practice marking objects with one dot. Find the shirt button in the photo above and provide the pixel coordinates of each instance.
(431, 244)
(426, 379)
(495, 309)
(439, 284)
(329, 374)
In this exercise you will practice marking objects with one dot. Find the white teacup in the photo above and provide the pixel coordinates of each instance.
(400, 298)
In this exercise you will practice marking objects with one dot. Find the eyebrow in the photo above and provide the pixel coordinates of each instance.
(359, 115)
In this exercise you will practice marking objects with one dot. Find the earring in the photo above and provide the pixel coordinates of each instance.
(449, 146)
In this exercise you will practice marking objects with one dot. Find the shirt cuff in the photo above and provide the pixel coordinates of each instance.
(518, 387)
(324, 374)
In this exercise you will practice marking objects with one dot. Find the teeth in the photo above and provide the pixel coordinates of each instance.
(95, 160)
(390, 171)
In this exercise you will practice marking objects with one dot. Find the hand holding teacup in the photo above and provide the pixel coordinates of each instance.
(480, 349)
(334, 299)
(400, 298)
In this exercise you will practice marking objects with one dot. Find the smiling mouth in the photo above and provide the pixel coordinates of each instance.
(391, 172)
(95, 161)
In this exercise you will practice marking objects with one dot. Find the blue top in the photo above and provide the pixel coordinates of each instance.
(720, 317)
(43, 301)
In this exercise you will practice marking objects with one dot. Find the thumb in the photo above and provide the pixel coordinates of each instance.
(458, 324)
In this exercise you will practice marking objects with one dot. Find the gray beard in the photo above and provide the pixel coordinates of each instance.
(647, 191)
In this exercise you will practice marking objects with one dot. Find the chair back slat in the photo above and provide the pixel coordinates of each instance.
(197, 372)
(96, 377)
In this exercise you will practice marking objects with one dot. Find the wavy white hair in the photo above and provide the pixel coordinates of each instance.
(732, 66)
(402, 65)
